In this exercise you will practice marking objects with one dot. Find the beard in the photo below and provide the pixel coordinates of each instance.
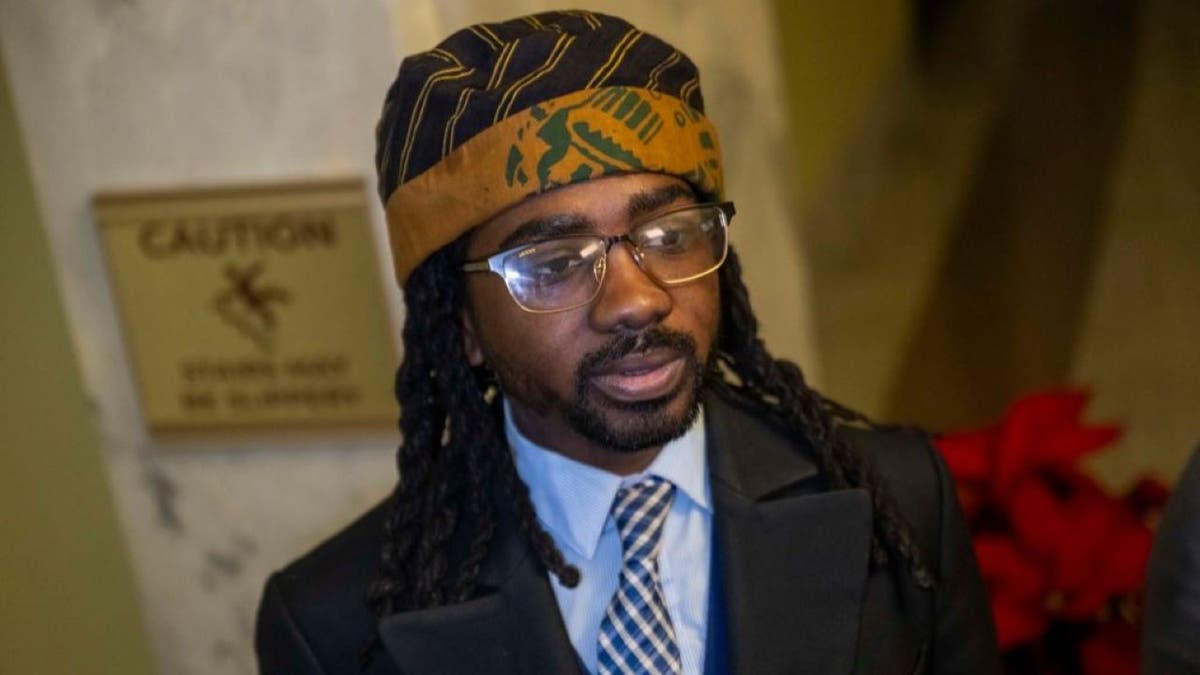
(621, 426)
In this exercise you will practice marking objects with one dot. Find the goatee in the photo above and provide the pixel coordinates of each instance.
(641, 424)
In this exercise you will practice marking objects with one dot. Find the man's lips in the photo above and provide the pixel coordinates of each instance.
(641, 377)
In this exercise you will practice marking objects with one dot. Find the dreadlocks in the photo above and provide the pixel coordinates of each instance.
(779, 385)
(453, 450)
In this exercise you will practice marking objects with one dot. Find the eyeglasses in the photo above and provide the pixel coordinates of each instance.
(672, 247)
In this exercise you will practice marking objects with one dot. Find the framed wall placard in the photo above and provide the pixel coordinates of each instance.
(251, 306)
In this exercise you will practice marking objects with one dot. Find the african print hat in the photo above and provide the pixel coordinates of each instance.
(501, 111)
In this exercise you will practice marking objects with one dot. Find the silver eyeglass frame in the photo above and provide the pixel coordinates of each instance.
(495, 262)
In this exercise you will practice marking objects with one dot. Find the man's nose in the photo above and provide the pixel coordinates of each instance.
(628, 299)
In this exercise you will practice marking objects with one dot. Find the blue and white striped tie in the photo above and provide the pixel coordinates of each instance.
(636, 635)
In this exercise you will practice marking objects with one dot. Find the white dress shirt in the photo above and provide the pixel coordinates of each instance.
(573, 502)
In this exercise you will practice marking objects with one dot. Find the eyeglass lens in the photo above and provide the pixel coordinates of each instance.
(567, 272)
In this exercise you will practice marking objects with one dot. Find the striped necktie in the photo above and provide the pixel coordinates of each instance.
(636, 635)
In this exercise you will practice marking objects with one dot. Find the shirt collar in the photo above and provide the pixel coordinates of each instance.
(573, 499)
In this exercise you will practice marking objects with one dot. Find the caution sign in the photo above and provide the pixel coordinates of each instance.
(251, 307)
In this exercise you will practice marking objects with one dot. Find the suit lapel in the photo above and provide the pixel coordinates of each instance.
(513, 627)
(791, 557)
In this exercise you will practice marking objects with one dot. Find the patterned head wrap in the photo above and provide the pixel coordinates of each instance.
(502, 111)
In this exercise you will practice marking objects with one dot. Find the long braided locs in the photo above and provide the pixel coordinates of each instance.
(453, 453)
(779, 386)
(451, 457)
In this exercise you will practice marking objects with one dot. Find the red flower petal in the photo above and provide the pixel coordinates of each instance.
(1044, 430)
(1124, 569)
(1093, 518)
(1009, 571)
(1017, 624)
(1051, 543)
(968, 455)
(1065, 445)
(1111, 650)
(1016, 587)
(1148, 496)
(1039, 520)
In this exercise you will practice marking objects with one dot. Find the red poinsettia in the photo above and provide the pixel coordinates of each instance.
(1053, 546)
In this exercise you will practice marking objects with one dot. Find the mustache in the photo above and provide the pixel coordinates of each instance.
(621, 346)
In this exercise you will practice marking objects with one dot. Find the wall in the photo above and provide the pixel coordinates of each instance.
(879, 211)
(68, 602)
(835, 55)
(115, 95)
(126, 95)
(1014, 208)
(1137, 343)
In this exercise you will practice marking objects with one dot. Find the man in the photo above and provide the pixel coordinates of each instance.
(602, 469)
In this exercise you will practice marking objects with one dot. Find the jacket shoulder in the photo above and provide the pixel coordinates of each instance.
(913, 473)
(957, 621)
(315, 607)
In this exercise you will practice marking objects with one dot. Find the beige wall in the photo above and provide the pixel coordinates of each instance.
(841, 62)
(135, 95)
(1017, 209)
(66, 590)
(834, 58)
(1138, 349)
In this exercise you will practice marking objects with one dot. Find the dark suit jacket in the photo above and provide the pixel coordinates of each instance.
(791, 567)
(1172, 619)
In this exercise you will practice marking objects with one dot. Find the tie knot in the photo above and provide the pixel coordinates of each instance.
(640, 511)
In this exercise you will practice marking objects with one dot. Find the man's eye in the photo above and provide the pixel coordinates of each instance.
(669, 240)
(555, 269)
(557, 265)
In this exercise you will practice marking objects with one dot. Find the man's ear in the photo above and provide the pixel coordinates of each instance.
(471, 345)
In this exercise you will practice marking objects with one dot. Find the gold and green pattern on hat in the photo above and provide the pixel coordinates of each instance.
(575, 137)
(501, 111)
